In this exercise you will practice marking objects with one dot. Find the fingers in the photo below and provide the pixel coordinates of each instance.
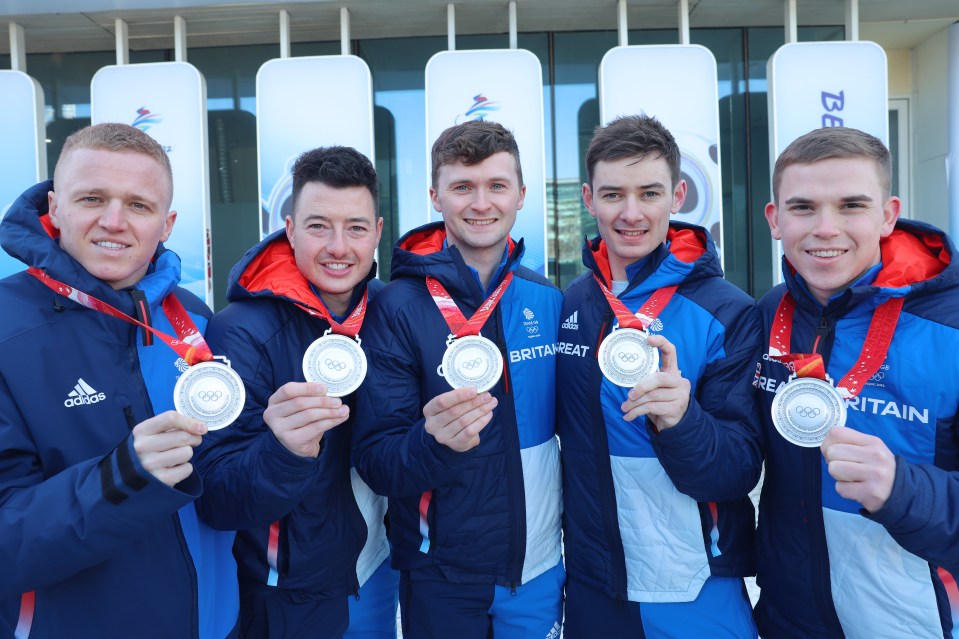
(164, 445)
(299, 413)
(668, 361)
(453, 399)
(171, 420)
(663, 396)
(456, 417)
(862, 465)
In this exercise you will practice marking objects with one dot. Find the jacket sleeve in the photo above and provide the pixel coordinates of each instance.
(53, 527)
(249, 478)
(714, 453)
(922, 513)
(392, 451)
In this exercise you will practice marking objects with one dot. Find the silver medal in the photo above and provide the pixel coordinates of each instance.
(337, 361)
(805, 409)
(473, 361)
(211, 392)
(625, 357)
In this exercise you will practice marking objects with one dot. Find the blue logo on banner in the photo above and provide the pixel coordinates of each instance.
(145, 119)
(482, 107)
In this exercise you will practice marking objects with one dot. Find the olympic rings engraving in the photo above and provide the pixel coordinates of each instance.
(472, 363)
(335, 364)
(808, 411)
(209, 396)
(628, 357)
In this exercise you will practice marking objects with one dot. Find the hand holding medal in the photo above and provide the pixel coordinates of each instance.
(662, 396)
(808, 406)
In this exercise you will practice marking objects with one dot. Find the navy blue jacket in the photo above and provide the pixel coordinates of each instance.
(299, 524)
(651, 515)
(107, 549)
(826, 567)
(491, 514)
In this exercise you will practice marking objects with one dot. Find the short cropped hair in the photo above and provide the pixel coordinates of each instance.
(472, 142)
(831, 143)
(114, 136)
(336, 166)
(633, 136)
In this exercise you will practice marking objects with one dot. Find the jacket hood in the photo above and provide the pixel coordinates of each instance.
(268, 270)
(690, 255)
(420, 253)
(916, 258)
(27, 234)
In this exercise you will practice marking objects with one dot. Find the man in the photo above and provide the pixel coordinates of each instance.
(99, 533)
(857, 536)
(656, 469)
(284, 467)
(472, 474)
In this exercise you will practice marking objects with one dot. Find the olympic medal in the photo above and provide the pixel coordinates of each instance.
(473, 361)
(211, 392)
(805, 409)
(625, 357)
(337, 361)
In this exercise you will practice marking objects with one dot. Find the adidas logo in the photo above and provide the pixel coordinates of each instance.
(572, 322)
(82, 394)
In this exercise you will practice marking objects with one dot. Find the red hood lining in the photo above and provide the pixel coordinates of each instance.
(908, 258)
(274, 269)
(431, 240)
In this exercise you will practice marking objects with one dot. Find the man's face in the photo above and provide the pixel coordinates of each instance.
(632, 200)
(334, 233)
(112, 210)
(830, 216)
(479, 203)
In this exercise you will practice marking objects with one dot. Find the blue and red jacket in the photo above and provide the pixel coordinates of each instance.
(491, 514)
(826, 567)
(91, 544)
(651, 515)
(299, 522)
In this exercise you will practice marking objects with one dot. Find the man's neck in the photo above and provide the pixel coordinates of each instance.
(336, 303)
(485, 261)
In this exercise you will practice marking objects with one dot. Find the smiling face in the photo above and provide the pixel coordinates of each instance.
(479, 204)
(112, 210)
(334, 233)
(632, 200)
(830, 216)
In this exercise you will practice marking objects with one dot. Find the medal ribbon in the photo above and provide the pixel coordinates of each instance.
(190, 346)
(874, 349)
(459, 325)
(351, 326)
(645, 315)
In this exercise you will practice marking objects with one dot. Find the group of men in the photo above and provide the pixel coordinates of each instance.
(598, 490)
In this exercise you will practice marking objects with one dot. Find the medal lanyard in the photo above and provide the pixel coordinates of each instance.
(351, 326)
(645, 316)
(190, 346)
(874, 349)
(459, 325)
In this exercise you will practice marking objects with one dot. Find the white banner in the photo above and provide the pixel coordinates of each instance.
(505, 86)
(301, 104)
(824, 84)
(688, 106)
(167, 100)
(23, 162)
